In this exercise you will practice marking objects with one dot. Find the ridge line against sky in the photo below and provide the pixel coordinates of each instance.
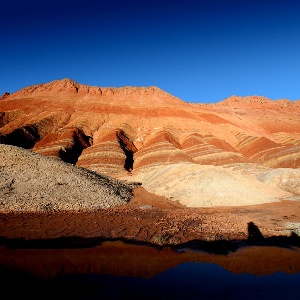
(199, 51)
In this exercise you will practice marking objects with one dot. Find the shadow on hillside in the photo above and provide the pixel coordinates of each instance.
(218, 246)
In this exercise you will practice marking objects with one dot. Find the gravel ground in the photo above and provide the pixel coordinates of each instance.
(31, 182)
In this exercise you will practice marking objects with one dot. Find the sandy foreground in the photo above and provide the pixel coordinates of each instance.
(156, 220)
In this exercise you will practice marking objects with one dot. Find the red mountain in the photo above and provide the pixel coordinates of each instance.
(117, 130)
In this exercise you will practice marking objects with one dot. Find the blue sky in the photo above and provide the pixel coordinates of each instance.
(199, 51)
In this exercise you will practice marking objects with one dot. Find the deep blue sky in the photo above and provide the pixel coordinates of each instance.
(199, 51)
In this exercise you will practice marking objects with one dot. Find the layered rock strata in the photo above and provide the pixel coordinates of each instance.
(117, 130)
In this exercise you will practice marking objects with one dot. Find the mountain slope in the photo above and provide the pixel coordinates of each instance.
(127, 132)
(82, 124)
(32, 182)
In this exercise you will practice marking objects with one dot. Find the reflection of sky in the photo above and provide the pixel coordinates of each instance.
(194, 281)
(200, 51)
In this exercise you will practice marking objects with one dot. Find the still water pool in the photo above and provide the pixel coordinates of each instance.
(191, 281)
(116, 270)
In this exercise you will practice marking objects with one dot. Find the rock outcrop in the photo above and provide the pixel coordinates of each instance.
(284, 178)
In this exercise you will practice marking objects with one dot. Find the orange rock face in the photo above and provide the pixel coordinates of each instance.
(117, 130)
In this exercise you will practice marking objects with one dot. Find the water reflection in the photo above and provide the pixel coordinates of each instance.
(192, 281)
(116, 270)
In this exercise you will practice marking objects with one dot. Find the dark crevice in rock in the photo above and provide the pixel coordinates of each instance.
(128, 165)
(129, 149)
(24, 137)
(2, 115)
(80, 142)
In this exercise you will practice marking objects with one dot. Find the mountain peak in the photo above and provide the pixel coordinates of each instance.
(65, 85)
(69, 88)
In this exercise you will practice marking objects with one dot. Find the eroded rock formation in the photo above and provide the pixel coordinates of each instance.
(133, 130)
(117, 130)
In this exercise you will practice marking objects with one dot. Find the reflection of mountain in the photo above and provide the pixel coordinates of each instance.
(116, 258)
